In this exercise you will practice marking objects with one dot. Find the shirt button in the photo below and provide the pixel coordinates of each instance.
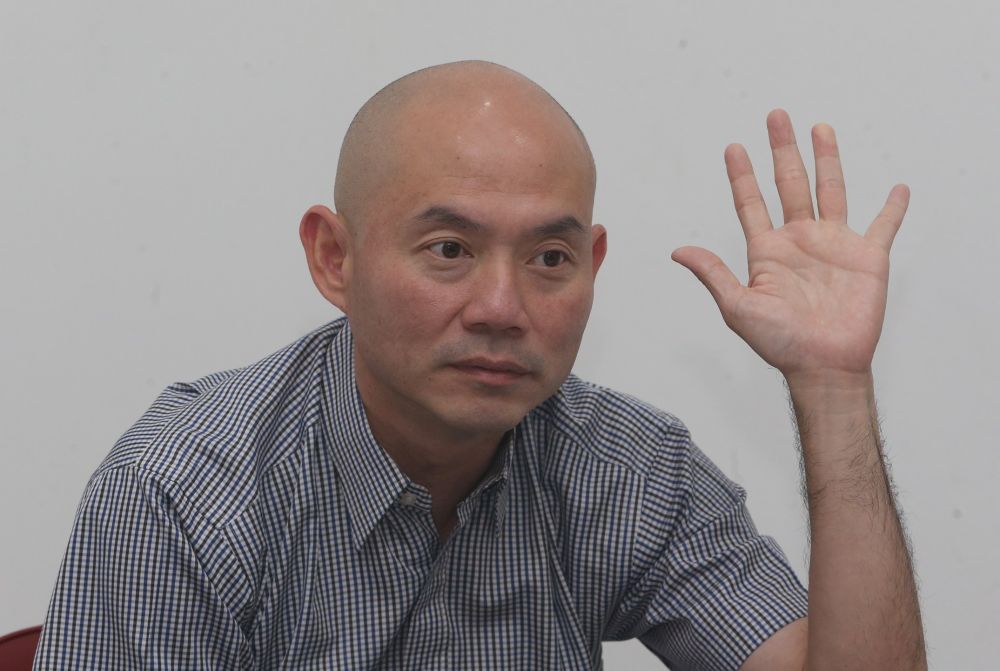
(408, 498)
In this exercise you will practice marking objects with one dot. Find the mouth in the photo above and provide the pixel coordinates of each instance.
(492, 371)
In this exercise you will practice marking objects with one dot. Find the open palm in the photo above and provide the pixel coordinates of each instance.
(816, 294)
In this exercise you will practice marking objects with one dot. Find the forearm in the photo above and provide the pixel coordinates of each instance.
(863, 607)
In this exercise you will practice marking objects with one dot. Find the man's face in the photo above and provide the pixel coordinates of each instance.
(472, 278)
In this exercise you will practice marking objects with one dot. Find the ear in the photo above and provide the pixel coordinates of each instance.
(327, 243)
(600, 246)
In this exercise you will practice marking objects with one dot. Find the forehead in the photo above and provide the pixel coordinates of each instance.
(508, 152)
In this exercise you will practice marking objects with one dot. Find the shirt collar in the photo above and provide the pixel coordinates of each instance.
(371, 480)
(496, 478)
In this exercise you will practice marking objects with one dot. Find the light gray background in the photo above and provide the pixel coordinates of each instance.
(155, 159)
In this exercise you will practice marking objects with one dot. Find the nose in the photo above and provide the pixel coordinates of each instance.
(496, 300)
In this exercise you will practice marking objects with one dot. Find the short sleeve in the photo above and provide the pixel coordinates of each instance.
(707, 588)
(132, 592)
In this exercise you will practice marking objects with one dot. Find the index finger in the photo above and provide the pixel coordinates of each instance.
(831, 196)
(750, 206)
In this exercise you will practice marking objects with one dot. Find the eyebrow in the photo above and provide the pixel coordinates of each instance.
(564, 225)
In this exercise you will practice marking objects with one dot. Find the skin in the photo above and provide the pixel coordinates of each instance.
(451, 241)
(813, 308)
(505, 169)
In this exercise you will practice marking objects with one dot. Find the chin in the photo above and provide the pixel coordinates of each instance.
(485, 418)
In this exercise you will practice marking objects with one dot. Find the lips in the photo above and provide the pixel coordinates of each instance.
(492, 371)
(498, 365)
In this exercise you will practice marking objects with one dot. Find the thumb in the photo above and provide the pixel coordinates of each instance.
(712, 272)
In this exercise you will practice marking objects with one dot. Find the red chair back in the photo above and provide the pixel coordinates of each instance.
(17, 650)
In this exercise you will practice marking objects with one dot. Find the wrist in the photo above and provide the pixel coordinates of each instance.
(829, 379)
(832, 391)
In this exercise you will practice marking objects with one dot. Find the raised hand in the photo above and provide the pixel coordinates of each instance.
(815, 298)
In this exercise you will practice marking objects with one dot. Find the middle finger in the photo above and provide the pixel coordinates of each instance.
(789, 171)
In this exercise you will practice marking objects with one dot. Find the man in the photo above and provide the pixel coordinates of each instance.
(424, 485)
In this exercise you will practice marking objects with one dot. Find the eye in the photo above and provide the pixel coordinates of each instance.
(551, 258)
(448, 249)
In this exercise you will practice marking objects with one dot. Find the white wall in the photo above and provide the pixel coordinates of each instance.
(155, 159)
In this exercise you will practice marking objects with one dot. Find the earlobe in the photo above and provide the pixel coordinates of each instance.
(600, 246)
(327, 244)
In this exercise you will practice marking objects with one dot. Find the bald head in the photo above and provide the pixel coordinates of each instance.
(463, 102)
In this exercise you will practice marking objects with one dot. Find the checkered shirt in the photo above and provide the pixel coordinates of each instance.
(249, 520)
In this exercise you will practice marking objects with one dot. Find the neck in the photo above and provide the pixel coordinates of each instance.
(448, 461)
(449, 467)
(433, 457)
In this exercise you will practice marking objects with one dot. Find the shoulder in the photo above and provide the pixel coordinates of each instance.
(612, 426)
(213, 438)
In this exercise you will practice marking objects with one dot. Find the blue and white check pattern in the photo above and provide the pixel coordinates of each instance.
(249, 520)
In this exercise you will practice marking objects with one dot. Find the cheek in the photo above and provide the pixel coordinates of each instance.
(400, 306)
(561, 318)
